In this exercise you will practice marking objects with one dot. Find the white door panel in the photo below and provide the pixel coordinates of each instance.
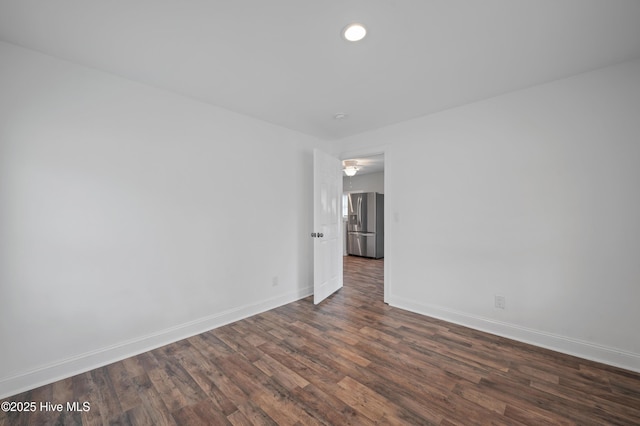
(327, 225)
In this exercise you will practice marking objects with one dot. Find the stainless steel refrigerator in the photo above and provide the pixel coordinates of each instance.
(365, 225)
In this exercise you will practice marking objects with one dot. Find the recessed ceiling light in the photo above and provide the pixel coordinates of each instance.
(354, 32)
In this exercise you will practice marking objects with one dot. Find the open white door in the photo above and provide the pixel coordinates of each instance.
(327, 225)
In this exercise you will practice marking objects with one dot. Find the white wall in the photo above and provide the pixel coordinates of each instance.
(370, 182)
(131, 217)
(532, 195)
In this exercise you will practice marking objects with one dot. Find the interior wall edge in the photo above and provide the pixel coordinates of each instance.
(574, 347)
(82, 363)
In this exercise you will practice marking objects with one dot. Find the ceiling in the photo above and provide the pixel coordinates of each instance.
(283, 61)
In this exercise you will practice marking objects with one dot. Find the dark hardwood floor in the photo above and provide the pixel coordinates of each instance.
(351, 360)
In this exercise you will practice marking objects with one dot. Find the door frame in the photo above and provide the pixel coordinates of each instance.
(388, 255)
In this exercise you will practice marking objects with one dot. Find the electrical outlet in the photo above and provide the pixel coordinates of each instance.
(500, 302)
(274, 281)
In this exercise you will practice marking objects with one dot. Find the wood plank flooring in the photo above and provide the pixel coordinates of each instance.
(351, 360)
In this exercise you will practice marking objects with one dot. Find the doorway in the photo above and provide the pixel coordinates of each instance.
(364, 173)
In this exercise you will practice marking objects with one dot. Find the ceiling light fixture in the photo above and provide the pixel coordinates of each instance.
(354, 32)
(340, 116)
(350, 167)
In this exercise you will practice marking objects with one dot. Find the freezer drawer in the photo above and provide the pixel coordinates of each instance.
(362, 244)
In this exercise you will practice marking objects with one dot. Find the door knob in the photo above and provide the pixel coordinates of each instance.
(320, 235)
(314, 235)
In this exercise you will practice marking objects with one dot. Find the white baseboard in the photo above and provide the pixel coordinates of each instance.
(582, 349)
(94, 359)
